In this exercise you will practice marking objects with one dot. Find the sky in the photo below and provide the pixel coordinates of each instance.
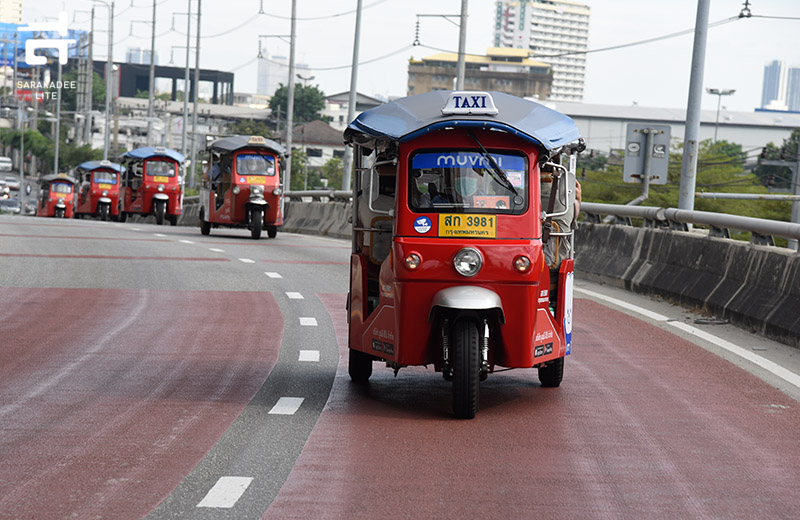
(653, 74)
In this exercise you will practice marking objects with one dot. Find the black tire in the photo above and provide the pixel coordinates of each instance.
(173, 220)
(272, 231)
(104, 211)
(359, 366)
(59, 213)
(161, 208)
(123, 216)
(256, 222)
(551, 374)
(466, 368)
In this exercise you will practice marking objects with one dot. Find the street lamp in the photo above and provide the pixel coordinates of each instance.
(719, 93)
(305, 79)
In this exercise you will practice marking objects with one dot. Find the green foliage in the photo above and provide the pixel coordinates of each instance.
(778, 177)
(69, 95)
(142, 94)
(252, 127)
(299, 162)
(333, 170)
(308, 101)
(719, 169)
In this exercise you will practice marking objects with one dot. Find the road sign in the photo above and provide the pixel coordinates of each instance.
(638, 155)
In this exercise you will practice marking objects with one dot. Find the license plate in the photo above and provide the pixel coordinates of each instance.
(104, 186)
(256, 179)
(160, 178)
(477, 226)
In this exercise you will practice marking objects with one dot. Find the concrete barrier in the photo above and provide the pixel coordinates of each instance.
(318, 218)
(755, 287)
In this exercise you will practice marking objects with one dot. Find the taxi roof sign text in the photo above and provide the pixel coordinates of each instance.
(469, 102)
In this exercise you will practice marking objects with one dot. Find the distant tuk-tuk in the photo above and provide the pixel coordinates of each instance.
(56, 195)
(152, 184)
(448, 266)
(99, 189)
(241, 186)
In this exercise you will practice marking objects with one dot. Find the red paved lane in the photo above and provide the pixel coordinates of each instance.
(108, 398)
(645, 425)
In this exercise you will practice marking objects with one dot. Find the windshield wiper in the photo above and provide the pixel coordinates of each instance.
(497, 173)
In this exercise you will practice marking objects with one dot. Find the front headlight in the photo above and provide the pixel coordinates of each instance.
(105, 194)
(257, 190)
(276, 191)
(236, 190)
(160, 187)
(468, 261)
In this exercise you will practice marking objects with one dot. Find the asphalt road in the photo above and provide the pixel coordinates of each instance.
(153, 372)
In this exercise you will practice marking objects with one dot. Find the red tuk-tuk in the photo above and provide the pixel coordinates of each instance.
(99, 189)
(56, 196)
(242, 186)
(447, 266)
(152, 184)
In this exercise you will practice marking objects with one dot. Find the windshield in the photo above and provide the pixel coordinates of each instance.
(464, 181)
(105, 177)
(162, 168)
(255, 164)
(61, 187)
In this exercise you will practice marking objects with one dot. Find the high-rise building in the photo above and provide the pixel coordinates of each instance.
(773, 90)
(273, 71)
(793, 89)
(11, 11)
(133, 55)
(556, 31)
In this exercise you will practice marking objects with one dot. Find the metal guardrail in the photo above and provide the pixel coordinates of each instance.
(317, 195)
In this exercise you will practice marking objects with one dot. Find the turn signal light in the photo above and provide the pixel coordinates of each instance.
(413, 261)
(522, 264)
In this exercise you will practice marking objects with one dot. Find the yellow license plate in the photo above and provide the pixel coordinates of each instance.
(104, 186)
(477, 226)
(256, 179)
(161, 178)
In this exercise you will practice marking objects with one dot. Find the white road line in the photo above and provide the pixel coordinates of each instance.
(309, 355)
(308, 322)
(294, 296)
(186, 241)
(159, 235)
(273, 275)
(247, 260)
(226, 492)
(286, 406)
(136, 229)
(216, 250)
(769, 366)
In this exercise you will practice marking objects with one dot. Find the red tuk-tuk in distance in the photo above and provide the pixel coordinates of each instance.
(56, 196)
(242, 185)
(447, 266)
(152, 184)
(99, 189)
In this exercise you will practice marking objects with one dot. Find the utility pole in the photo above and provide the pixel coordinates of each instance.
(186, 87)
(351, 104)
(58, 123)
(689, 164)
(151, 95)
(287, 174)
(109, 72)
(462, 43)
(196, 95)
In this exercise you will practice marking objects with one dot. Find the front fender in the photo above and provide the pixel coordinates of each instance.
(160, 196)
(104, 200)
(467, 297)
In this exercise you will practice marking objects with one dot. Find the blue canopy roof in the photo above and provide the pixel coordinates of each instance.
(148, 152)
(98, 165)
(407, 118)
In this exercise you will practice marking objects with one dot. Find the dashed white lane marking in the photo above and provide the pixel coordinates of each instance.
(136, 229)
(226, 492)
(286, 406)
(309, 355)
(294, 296)
(186, 241)
(216, 250)
(273, 275)
(159, 235)
(247, 260)
(769, 366)
(308, 322)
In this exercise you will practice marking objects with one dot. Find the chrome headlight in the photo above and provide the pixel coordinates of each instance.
(160, 187)
(276, 191)
(236, 190)
(468, 261)
(105, 194)
(256, 190)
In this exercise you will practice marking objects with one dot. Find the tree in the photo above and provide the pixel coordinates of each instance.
(308, 101)
(251, 127)
(69, 95)
(332, 170)
(778, 177)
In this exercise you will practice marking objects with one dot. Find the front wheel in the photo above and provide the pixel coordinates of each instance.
(161, 208)
(256, 222)
(551, 374)
(59, 213)
(104, 210)
(466, 368)
(359, 366)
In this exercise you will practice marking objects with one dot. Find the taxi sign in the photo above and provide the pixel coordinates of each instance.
(461, 225)
(256, 139)
(469, 102)
(105, 162)
(160, 150)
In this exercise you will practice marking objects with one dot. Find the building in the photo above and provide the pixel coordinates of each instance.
(504, 70)
(273, 71)
(773, 90)
(319, 140)
(793, 89)
(337, 108)
(139, 56)
(557, 31)
(11, 11)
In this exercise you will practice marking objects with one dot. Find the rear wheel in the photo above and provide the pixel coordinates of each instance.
(359, 366)
(466, 368)
(256, 222)
(161, 208)
(123, 216)
(173, 220)
(272, 231)
(205, 226)
(551, 374)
